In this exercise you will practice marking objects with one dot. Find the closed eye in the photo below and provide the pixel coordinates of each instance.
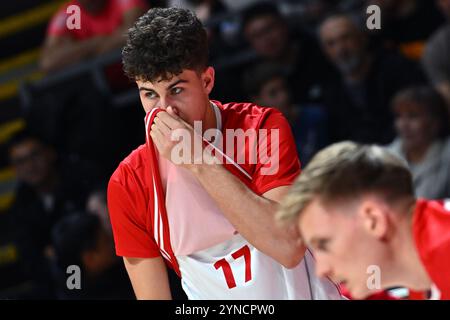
(320, 244)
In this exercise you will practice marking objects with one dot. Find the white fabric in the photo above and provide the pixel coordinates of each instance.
(270, 280)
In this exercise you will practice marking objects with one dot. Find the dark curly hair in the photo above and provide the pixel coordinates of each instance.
(163, 42)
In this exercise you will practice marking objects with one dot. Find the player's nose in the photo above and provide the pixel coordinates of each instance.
(165, 102)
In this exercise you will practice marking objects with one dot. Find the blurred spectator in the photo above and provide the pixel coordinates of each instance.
(222, 30)
(48, 187)
(406, 24)
(204, 9)
(97, 205)
(444, 6)
(24, 269)
(80, 239)
(422, 125)
(358, 100)
(239, 5)
(307, 14)
(266, 85)
(268, 34)
(103, 24)
(436, 57)
(44, 193)
(79, 120)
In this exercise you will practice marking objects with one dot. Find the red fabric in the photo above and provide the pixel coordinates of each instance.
(248, 115)
(128, 203)
(417, 295)
(431, 230)
(381, 295)
(130, 190)
(104, 23)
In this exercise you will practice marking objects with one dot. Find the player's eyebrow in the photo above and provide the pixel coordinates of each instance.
(168, 87)
(175, 83)
(145, 89)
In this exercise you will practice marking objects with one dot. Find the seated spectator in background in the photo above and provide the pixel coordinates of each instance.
(48, 187)
(436, 56)
(266, 84)
(46, 190)
(212, 14)
(203, 9)
(103, 24)
(97, 205)
(405, 25)
(80, 239)
(358, 100)
(308, 14)
(266, 31)
(24, 269)
(423, 124)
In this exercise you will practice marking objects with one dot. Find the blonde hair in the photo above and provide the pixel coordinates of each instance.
(344, 171)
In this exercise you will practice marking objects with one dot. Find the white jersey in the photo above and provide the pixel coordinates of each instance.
(236, 270)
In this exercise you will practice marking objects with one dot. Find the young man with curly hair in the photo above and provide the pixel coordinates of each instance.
(211, 221)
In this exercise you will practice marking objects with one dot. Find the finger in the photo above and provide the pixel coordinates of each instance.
(186, 123)
(158, 133)
(168, 120)
(156, 140)
(173, 111)
(161, 126)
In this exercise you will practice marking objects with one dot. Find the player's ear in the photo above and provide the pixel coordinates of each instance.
(208, 79)
(374, 217)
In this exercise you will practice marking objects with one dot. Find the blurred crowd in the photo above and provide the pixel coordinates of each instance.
(314, 60)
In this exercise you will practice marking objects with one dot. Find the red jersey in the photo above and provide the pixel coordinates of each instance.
(130, 190)
(380, 295)
(431, 231)
(104, 23)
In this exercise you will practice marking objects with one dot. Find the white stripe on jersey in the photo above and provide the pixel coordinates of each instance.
(229, 159)
(435, 293)
(155, 216)
(447, 204)
(158, 227)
